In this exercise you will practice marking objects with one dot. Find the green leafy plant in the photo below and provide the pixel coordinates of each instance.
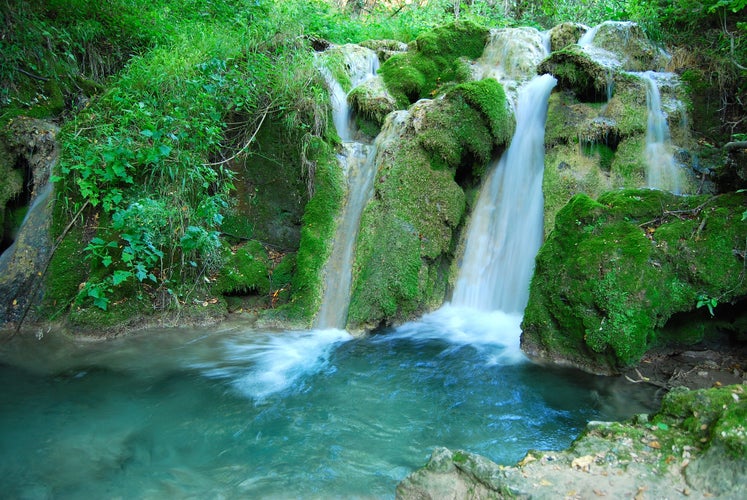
(709, 302)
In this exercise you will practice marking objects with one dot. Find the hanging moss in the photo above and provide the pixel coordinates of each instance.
(433, 61)
(615, 270)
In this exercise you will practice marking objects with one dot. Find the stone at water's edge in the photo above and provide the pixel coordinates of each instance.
(615, 271)
(694, 446)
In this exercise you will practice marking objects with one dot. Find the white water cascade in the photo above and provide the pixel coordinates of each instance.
(506, 228)
(662, 170)
(357, 161)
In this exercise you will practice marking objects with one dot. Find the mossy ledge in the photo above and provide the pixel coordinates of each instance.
(614, 272)
(434, 59)
(695, 445)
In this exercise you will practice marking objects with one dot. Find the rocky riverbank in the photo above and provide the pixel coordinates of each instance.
(694, 446)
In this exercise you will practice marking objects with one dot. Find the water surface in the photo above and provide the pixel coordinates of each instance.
(314, 414)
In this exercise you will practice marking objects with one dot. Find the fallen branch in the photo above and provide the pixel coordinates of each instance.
(248, 143)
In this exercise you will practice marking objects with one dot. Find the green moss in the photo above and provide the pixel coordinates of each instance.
(317, 234)
(577, 72)
(453, 132)
(433, 61)
(628, 167)
(488, 97)
(615, 270)
(245, 270)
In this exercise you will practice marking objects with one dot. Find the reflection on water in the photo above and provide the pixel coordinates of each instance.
(315, 414)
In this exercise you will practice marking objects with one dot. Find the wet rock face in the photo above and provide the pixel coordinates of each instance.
(32, 143)
(628, 42)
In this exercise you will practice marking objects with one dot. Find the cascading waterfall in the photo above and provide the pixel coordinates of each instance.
(662, 171)
(357, 160)
(505, 231)
(506, 228)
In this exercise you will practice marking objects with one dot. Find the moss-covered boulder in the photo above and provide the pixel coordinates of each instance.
(694, 445)
(372, 101)
(615, 270)
(565, 34)
(435, 58)
(426, 158)
(577, 71)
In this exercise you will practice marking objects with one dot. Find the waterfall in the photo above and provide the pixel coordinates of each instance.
(662, 171)
(357, 161)
(507, 224)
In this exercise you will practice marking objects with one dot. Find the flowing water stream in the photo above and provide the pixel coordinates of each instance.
(662, 170)
(358, 162)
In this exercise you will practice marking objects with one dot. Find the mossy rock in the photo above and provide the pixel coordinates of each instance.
(434, 60)
(614, 271)
(427, 157)
(317, 236)
(565, 34)
(245, 271)
(372, 100)
(660, 451)
(385, 48)
(576, 71)
(631, 46)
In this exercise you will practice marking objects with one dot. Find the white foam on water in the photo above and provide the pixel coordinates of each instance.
(496, 333)
(260, 366)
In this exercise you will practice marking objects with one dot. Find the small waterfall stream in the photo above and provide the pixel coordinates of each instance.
(506, 228)
(662, 171)
(357, 161)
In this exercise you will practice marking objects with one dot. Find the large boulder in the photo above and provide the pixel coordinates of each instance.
(613, 272)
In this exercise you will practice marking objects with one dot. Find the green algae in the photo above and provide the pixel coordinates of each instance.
(433, 61)
(615, 270)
